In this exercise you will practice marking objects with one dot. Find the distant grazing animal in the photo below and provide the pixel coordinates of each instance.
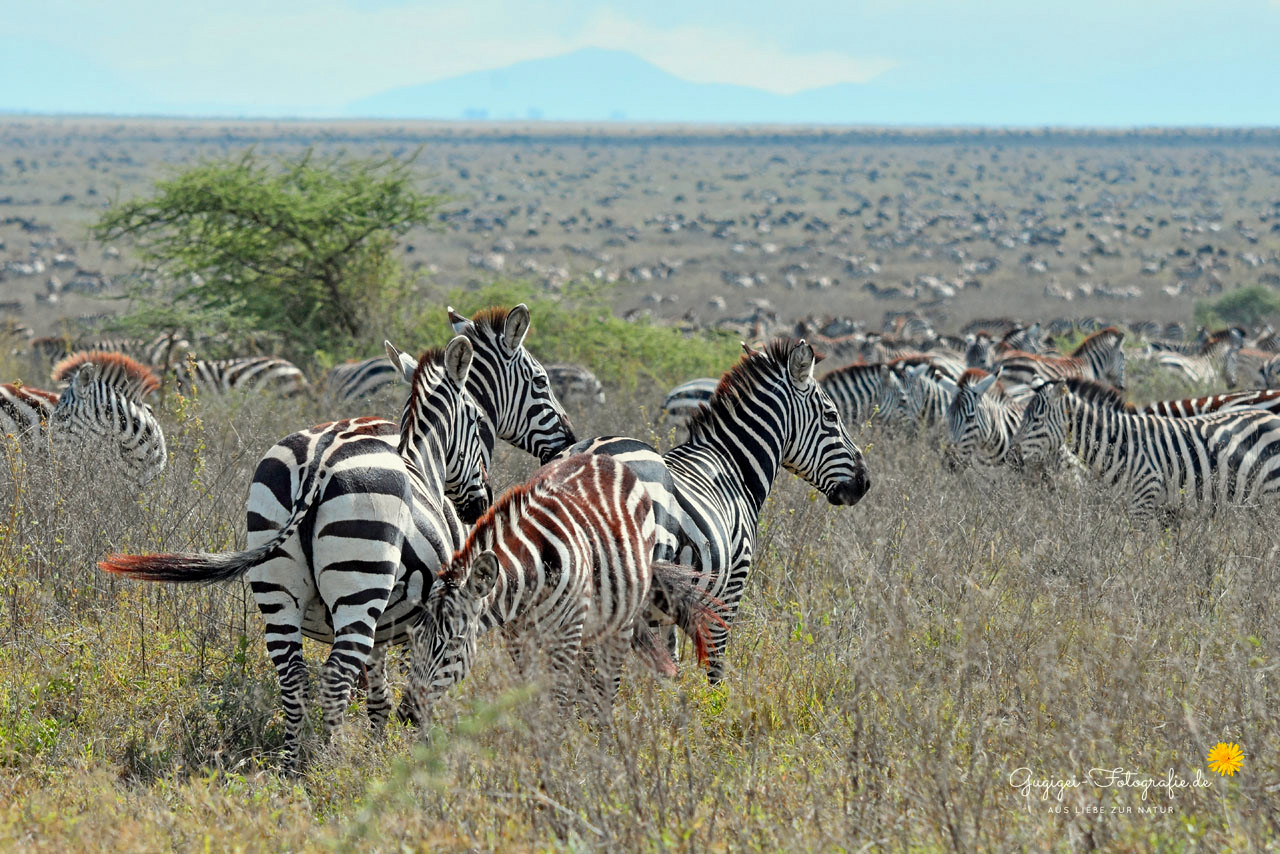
(257, 373)
(1269, 373)
(24, 410)
(564, 561)
(926, 394)
(575, 383)
(685, 399)
(1099, 357)
(1200, 462)
(370, 528)
(864, 393)
(1217, 355)
(360, 382)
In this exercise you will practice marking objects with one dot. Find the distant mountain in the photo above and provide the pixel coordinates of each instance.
(595, 85)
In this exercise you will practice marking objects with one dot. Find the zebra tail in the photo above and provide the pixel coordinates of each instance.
(694, 610)
(210, 567)
(187, 567)
(646, 645)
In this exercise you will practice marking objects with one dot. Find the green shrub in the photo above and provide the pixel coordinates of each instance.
(1250, 306)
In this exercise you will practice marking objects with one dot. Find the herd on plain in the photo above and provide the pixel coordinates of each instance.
(366, 533)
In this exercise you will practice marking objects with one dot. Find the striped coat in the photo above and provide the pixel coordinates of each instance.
(1099, 357)
(1199, 462)
(369, 529)
(981, 421)
(564, 564)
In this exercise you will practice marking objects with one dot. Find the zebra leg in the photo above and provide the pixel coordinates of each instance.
(566, 654)
(602, 672)
(282, 588)
(720, 637)
(379, 698)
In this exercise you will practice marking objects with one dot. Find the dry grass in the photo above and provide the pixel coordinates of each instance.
(893, 665)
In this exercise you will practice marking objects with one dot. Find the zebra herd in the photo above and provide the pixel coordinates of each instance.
(358, 529)
(989, 404)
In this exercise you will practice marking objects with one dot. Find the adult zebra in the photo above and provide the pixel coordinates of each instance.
(260, 373)
(134, 380)
(360, 382)
(926, 394)
(575, 383)
(1215, 355)
(1264, 399)
(686, 398)
(1269, 373)
(864, 393)
(1201, 461)
(564, 561)
(1099, 357)
(99, 412)
(981, 421)
(768, 413)
(370, 527)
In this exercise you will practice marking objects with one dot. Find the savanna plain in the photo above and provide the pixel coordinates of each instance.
(899, 669)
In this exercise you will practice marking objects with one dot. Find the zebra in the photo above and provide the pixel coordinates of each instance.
(1099, 357)
(1027, 339)
(1216, 355)
(979, 350)
(134, 380)
(685, 399)
(369, 529)
(864, 393)
(564, 560)
(981, 421)
(25, 411)
(1269, 373)
(768, 413)
(576, 383)
(97, 411)
(510, 385)
(1265, 399)
(926, 394)
(261, 373)
(358, 382)
(1161, 463)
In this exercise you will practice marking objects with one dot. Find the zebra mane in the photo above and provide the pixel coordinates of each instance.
(481, 535)
(430, 358)
(1100, 393)
(1098, 339)
(756, 367)
(493, 318)
(973, 376)
(116, 369)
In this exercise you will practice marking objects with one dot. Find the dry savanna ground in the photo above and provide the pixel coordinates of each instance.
(901, 670)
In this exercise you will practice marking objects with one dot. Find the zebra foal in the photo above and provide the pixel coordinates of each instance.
(563, 560)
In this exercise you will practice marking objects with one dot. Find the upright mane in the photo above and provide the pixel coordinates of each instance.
(1100, 393)
(128, 375)
(493, 318)
(510, 502)
(1097, 339)
(754, 368)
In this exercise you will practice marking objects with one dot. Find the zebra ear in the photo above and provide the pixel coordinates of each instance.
(404, 364)
(84, 376)
(800, 363)
(457, 321)
(516, 328)
(457, 360)
(914, 371)
(484, 574)
(981, 386)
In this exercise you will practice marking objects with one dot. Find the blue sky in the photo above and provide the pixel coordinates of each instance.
(312, 58)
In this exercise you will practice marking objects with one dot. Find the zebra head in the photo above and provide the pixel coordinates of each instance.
(817, 447)
(925, 394)
(510, 385)
(1043, 430)
(1104, 354)
(969, 424)
(441, 410)
(443, 643)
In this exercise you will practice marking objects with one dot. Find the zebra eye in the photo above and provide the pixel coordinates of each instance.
(540, 381)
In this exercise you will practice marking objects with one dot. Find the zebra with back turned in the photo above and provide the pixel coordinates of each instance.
(565, 562)
(1201, 461)
(864, 393)
(768, 413)
(686, 398)
(360, 382)
(259, 373)
(370, 527)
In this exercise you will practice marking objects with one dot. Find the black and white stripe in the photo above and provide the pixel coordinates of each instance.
(981, 421)
(360, 382)
(370, 526)
(257, 373)
(1199, 462)
(575, 383)
(562, 564)
(1099, 357)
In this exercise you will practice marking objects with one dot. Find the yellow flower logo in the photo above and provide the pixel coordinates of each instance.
(1226, 758)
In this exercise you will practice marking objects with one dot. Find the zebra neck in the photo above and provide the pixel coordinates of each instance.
(1097, 434)
(747, 455)
(423, 452)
